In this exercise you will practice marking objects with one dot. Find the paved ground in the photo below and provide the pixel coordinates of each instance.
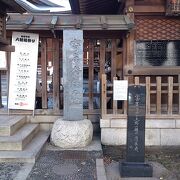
(57, 163)
(8, 171)
(81, 164)
(65, 165)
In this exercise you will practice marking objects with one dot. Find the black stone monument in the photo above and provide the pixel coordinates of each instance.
(135, 166)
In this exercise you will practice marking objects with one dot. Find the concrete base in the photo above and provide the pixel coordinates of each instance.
(71, 134)
(158, 132)
(135, 169)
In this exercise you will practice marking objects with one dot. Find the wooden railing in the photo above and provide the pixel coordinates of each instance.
(162, 97)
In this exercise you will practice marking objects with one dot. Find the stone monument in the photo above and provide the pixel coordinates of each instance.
(135, 166)
(72, 130)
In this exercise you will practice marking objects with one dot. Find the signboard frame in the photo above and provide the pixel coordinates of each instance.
(23, 71)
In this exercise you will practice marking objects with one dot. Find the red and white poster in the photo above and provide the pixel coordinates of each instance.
(23, 69)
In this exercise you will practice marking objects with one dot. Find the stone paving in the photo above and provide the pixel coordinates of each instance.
(65, 165)
(8, 171)
(56, 163)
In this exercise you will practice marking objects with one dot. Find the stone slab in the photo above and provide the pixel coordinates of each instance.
(152, 137)
(105, 123)
(117, 136)
(95, 145)
(10, 124)
(177, 123)
(119, 123)
(160, 123)
(113, 136)
(170, 137)
(19, 140)
(30, 153)
(135, 140)
(100, 170)
(42, 119)
(73, 74)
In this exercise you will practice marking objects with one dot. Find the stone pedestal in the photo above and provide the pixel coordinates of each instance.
(135, 169)
(71, 134)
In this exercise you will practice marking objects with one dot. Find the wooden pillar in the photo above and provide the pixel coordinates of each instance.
(0, 92)
(44, 72)
(130, 37)
(56, 74)
(170, 95)
(113, 59)
(179, 90)
(102, 57)
(91, 74)
(148, 95)
(103, 96)
(158, 96)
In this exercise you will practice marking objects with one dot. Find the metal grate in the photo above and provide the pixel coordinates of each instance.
(80, 155)
(157, 28)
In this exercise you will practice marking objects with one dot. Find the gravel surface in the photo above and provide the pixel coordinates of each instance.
(8, 171)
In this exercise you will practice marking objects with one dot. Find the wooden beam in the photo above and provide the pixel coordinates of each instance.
(151, 71)
(75, 6)
(149, 9)
(7, 48)
(85, 22)
(3, 41)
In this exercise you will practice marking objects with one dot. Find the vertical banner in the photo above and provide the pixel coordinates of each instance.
(23, 69)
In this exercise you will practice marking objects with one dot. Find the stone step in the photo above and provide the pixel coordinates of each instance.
(20, 139)
(10, 124)
(30, 153)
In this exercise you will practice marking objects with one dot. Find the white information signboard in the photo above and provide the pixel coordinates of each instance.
(3, 62)
(22, 85)
(120, 88)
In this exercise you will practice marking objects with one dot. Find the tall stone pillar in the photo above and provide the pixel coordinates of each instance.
(72, 131)
(73, 74)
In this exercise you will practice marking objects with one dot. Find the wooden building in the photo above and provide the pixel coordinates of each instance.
(136, 40)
